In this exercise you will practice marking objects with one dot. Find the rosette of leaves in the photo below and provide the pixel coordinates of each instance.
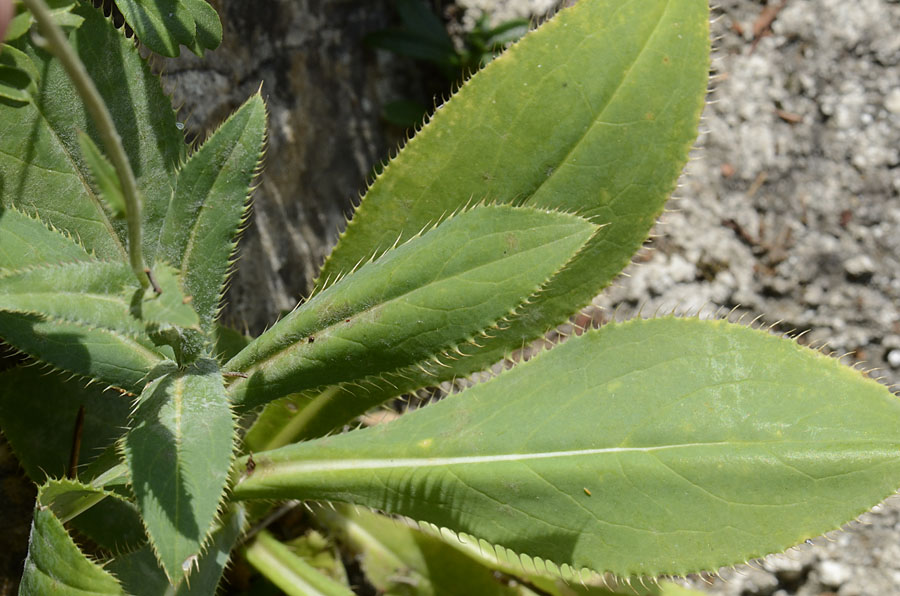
(641, 449)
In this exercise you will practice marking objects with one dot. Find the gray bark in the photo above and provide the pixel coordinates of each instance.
(324, 91)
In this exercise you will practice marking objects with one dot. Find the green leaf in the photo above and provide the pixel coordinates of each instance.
(228, 342)
(26, 241)
(429, 295)
(653, 447)
(114, 524)
(166, 305)
(288, 571)
(18, 26)
(70, 498)
(75, 316)
(179, 451)
(106, 355)
(210, 204)
(104, 175)
(163, 25)
(16, 75)
(38, 411)
(401, 559)
(95, 292)
(141, 576)
(42, 168)
(169, 314)
(208, 26)
(55, 565)
(398, 559)
(632, 76)
(14, 84)
(60, 11)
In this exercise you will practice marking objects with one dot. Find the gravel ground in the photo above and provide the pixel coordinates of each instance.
(791, 212)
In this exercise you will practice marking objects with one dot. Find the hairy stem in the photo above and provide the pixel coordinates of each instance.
(112, 142)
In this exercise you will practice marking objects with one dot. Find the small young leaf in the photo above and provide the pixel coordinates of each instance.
(179, 451)
(161, 25)
(26, 241)
(164, 25)
(60, 11)
(166, 305)
(18, 26)
(208, 26)
(431, 294)
(104, 175)
(653, 447)
(170, 316)
(55, 565)
(210, 203)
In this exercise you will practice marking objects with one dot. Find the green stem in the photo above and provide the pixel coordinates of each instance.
(288, 571)
(112, 142)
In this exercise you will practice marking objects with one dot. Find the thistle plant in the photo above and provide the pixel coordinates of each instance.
(641, 450)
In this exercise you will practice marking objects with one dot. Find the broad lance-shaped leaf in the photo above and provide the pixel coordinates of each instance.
(210, 203)
(76, 317)
(664, 446)
(55, 565)
(26, 241)
(41, 165)
(427, 296)
(631, 75)
(178, 451)
(164, 25)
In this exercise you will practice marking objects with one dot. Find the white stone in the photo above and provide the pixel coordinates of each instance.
(892, 101)
(833, 574)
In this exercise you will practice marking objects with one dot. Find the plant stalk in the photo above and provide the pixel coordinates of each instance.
(288, 571)
(112, 142)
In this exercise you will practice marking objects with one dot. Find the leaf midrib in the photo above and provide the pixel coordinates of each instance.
(338, 465)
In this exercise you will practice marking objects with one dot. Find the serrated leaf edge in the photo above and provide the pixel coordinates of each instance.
(224, 498)
(451, 350)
